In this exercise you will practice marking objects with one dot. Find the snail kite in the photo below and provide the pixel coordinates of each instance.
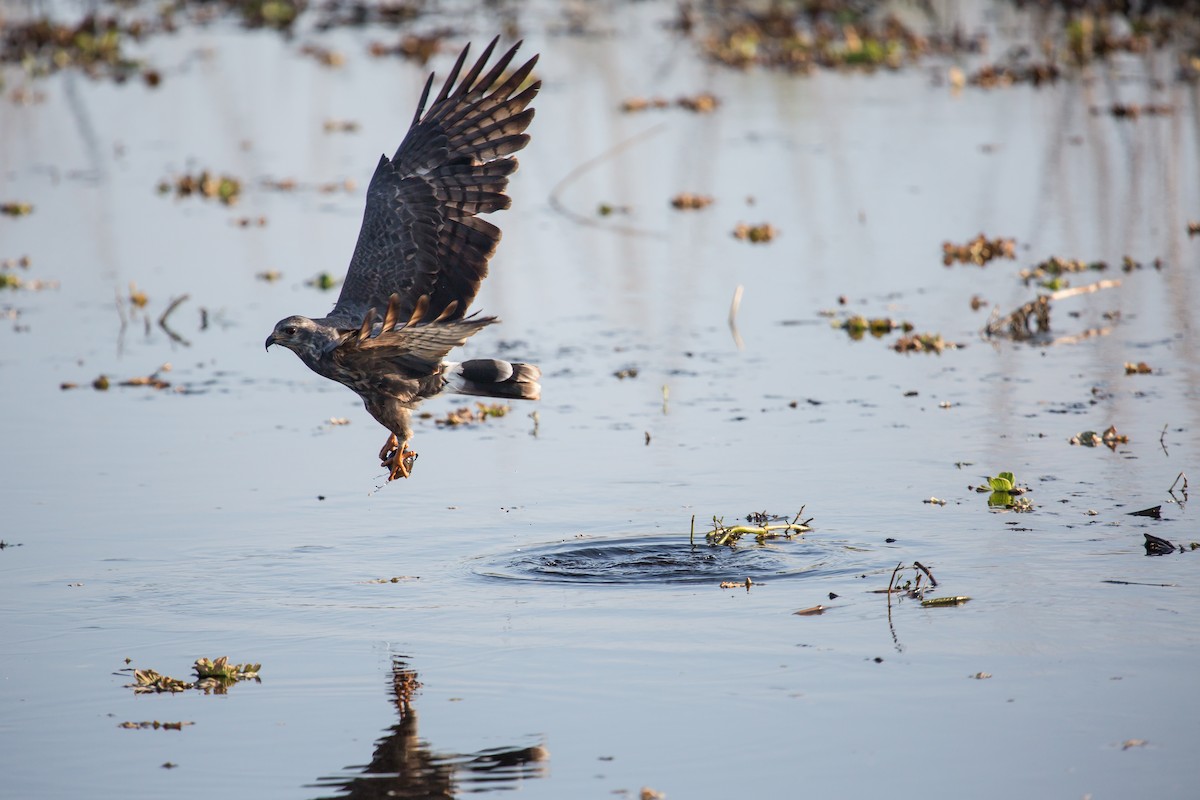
(421, 255)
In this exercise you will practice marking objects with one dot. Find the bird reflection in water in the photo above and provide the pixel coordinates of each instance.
(403, 766)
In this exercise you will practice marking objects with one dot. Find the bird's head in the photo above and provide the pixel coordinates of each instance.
(301, 335)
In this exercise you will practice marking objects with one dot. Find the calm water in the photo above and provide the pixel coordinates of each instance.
(567, 640)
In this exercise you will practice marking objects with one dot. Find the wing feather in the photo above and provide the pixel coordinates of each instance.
(420, 234)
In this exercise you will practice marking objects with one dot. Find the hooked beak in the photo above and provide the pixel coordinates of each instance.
(271, 340)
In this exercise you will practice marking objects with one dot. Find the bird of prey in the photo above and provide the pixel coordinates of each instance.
(421, 255)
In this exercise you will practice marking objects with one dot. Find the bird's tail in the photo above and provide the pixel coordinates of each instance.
(491, 377)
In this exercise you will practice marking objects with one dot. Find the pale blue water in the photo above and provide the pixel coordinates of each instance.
(164, 526)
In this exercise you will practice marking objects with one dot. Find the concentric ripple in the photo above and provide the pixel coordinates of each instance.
(661, 560)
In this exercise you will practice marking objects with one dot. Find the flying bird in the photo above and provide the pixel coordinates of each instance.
(422, 253)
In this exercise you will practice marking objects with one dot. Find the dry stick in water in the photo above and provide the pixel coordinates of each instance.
(923, 568)
(733, 310)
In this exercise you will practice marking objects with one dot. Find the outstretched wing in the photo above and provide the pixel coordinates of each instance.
(421, 234)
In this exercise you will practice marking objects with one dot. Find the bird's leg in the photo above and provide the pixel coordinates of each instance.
(396, 456)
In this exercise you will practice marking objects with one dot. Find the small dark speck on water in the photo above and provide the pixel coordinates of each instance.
(878, 660)
(833, 596)
(890, 540)
(320, 497)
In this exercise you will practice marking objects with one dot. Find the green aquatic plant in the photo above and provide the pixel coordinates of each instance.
(762, 527)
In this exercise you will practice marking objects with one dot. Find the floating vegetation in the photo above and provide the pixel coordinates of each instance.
(212, 677)
(205, 184)
(978, 251)
(340, 126)
(923, 343)
(269, 275)
(1193, 229)
(1032, 320)
(1109, 438)
(15, 209)
(940, 602)
(250, 222)
(396, 579)
(878, 327)
(801, 37)
(761, 526)
(94, 45)
(755, 234)
(323, 281)
(148, 681)
(1005, 493)
(702, 103)
(154, 725)
(1046, 272)
(103, 383)
(999, 76)
(627, 372)
(11, 280)
(608, 209)
(470, 416)
(1140, 368)
(687, 201)
(746, 584)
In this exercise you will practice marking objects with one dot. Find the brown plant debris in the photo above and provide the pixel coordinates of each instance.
(1109, 438)
(1193, 229)
(470, 416)
(687, 201)
(923, 343)
(756, 234)
(340, 126)
(204, 184)
(978, 251)
(701, 103)
(1140, 368)
(154, 725)
(250, 222)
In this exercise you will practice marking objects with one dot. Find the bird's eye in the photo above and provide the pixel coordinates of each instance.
(290, 330)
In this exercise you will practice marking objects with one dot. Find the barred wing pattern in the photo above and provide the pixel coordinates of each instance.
(420, 234)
